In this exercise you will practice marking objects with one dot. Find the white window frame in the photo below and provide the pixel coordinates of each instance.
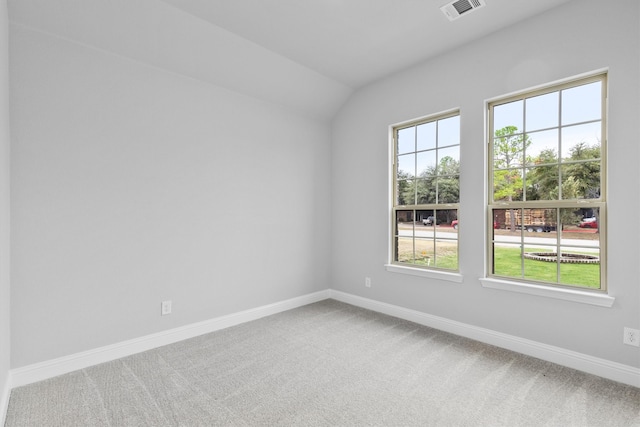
(553, 290)
(410, 268)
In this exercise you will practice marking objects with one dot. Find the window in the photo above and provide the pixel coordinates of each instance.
(426, 183)
(547, 211)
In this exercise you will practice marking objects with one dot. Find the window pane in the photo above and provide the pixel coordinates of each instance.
(446, 254)
(582, 103)
(499, 222)
(406, 140)
(508, 148)
(580, 227)
(426, 136)
(581, 140)
(542, 111)
(542, 147)
(405, 192)
(507, 260)
(424, 252)
(580, 267)
(426, 163)
(541, 264)
(581, 180)
(404, 249)
(449, 189)
(449, 160)
(406, 166)
(509, 114)
(426, 191)
(508, 185)
(449, 131)
(425, 217)
(445, 219)
(538, 220)
(542, 182)
(404, 223)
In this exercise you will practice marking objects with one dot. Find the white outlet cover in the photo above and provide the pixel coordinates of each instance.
(631, 337)
(165, 308)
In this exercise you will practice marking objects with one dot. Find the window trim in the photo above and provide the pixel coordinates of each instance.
(564, 293)
(449, 276)
(405, 268)
(555, 290)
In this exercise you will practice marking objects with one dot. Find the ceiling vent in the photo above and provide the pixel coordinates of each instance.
(456, 9)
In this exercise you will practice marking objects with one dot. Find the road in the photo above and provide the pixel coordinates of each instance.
(546, 241)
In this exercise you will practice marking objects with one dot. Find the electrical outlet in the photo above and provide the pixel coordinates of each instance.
(631, 337)
(367, 282)
(165, 308)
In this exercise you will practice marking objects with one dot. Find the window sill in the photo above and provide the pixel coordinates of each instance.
(574, 295)
(432, 274)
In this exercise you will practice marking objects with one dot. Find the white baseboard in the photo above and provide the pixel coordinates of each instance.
(4, 399)
(48, 369)
(51, 368)
(582, 362)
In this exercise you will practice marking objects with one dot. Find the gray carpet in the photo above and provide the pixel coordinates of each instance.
(326, 364)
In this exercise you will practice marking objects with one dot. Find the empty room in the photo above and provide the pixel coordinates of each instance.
(323, 212)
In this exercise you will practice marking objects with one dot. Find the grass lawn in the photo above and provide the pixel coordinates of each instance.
(508, 263)
(445, 256)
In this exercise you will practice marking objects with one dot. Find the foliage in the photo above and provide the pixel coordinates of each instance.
(439, 184)
(546, 176)
(405, 189)
(509, 147)
(584, 170)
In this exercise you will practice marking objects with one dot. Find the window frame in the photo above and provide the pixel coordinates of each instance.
(413, 268)
(541, 287)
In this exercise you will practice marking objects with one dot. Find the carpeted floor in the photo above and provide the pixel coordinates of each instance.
(326, 364)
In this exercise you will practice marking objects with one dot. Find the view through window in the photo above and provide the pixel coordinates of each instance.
(426, 186)
(547, 185)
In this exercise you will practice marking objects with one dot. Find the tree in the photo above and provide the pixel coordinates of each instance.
(580, 178)
(585, 170)
(509, 150)
(440, 184)
(543, 180)
(405, 189)
(436, 184)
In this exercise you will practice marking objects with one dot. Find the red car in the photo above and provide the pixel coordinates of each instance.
(589, 223)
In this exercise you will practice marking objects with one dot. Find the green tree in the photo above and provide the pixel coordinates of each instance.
(405, 188)
(580, 177)
(509, 150)
(543, 177)
(440, 184)
(584, 168)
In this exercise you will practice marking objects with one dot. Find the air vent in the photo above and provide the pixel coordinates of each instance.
(456, 9)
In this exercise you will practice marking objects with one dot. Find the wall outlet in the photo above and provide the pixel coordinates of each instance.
(367, 282)
(631, 337)
(165, 308)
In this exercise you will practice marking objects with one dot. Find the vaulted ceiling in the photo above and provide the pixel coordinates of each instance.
(308, 55)
(358, 41)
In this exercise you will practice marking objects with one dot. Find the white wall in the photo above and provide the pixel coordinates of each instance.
(5, 343)
(157, 33)
(133, 185)
(567, 41)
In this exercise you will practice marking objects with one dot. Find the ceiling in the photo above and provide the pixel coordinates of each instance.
(358, 41)
(308, 56)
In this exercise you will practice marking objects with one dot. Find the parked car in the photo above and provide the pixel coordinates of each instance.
(589, 223)
(430, 220)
